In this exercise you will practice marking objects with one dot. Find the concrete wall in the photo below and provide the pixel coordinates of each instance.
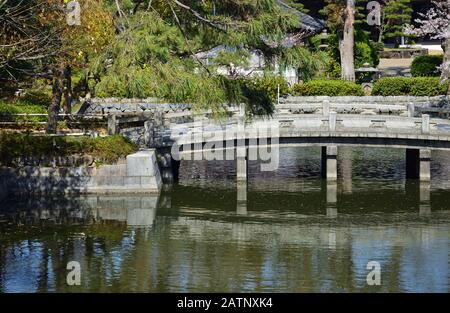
(138, 174)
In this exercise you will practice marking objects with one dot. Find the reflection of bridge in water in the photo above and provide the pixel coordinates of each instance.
(254, 248)
(142, 210)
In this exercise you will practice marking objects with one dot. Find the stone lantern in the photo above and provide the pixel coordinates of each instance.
(366, 76)
(323, 40)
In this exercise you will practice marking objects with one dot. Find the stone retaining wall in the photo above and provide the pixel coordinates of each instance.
(391, 100)
(403, 54)
(138, 174)
(113, 105)
(116, 106)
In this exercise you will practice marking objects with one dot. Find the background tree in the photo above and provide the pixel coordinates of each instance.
(38, 42)
(347, 43)
(143, 48)
(24, 40)
(297, 4)
(436, 24)
(340, 19)
(396, 14)
(76, 44)
(155, 52)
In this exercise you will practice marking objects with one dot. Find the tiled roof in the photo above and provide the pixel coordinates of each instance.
(308, 22)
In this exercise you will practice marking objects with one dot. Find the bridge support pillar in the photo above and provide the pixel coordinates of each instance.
(425, 205)
(332, 199)
(242, 164)
(241, 203)
(418, 164)
(329, 162)
(175, 169)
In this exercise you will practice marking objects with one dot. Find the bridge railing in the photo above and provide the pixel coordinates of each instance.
(333, 125)
(159, 127)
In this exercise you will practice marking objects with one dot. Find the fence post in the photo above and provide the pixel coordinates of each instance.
(113, 125)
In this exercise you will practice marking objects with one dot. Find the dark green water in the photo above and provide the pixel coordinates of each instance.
(295, 232)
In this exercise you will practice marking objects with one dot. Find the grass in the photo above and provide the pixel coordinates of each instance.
(20, 106)
(34, 101)
(104, 150)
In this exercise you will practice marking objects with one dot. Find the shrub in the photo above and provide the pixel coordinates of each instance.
(391, 86)
(103, 149)
(426, 65)
(260, 93)
(268, 84)
(409, 86)
(327, 88)
(366, 51)
(428, 86)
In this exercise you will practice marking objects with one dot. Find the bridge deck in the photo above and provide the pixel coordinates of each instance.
(395, 131)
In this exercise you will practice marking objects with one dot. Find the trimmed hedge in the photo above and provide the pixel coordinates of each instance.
(426, 65)
(103, 149)
(409, 86)
(327, 88)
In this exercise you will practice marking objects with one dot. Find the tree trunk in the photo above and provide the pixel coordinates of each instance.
(347, 43)
(67, 90)
(53, 109)
(446, 68)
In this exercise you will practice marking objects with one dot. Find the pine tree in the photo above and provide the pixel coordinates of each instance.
(148, 48)
(297, 4)
(397, 14)
(154, 55)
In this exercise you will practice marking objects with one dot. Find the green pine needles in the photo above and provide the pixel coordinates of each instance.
(155, 52)
(397, 13)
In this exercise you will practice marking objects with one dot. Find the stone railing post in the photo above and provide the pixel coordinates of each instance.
(411, 109)
(425, 124)
(332, 121)
(241, 149)
(325, 107)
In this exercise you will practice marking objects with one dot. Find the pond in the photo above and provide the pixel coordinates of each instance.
(294, 233)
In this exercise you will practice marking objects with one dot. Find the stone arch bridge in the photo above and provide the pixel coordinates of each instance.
(418, 125)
